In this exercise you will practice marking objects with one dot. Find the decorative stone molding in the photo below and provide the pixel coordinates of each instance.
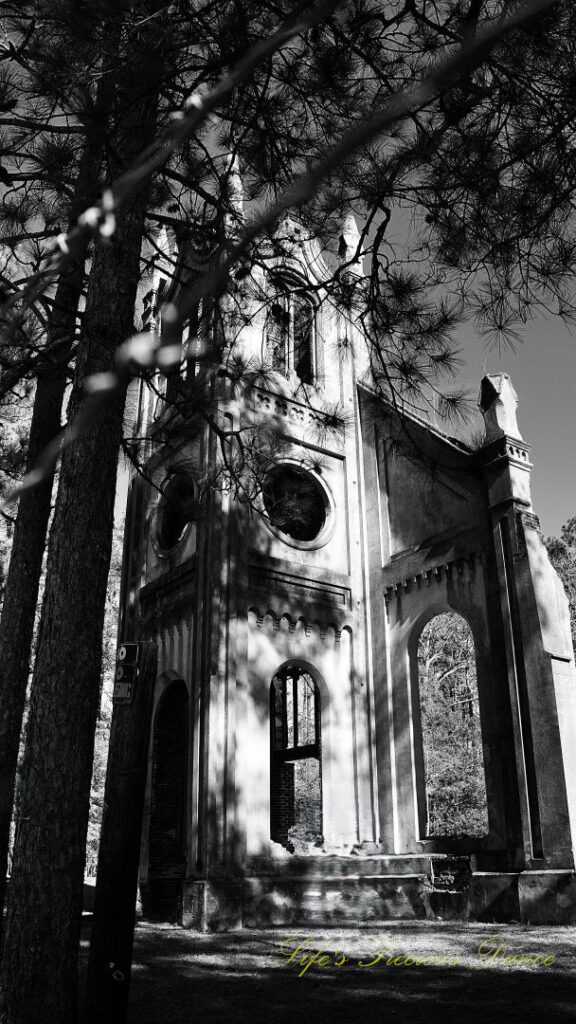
(520, 453)
(328, 631)
(511, 448)
(319, 591)
(296, 414)
(432, 574)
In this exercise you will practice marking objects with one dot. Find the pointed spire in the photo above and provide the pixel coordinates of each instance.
(349, 243)
(498, 401)
(163, 264)
(234, 192)
(162, 243)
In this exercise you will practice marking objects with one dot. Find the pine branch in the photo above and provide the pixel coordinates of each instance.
(100, 220)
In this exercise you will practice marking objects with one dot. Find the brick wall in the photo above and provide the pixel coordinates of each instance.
(282, 809)
(296, 801)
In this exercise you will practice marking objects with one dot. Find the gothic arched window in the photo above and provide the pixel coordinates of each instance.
(454, 782)
(296, 774)
(290, 334)
(178, 507)
(303, 338)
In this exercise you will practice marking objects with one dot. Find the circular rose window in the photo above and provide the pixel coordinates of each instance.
(296, 503)
(176, 510)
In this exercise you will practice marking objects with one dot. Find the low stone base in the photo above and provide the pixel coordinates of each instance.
(493, 896)
(531, 897)
(547, 897)
(319, 902)
(342, 896)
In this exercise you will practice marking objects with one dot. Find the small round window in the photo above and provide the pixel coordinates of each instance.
(295, 502)
(177, 509)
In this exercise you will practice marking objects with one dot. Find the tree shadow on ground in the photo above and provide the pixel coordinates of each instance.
(245, 976)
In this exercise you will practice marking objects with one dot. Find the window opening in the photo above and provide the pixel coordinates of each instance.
(177, 508)
(191, 342)
(277, 336)
(290, 335)
(303, 339)
(455, 785)
(295, 502)
(296, 775)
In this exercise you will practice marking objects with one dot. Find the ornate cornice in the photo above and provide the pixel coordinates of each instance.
(510, 448)
(433, 574)
(321, 589)
(285, 622)
(297, 415)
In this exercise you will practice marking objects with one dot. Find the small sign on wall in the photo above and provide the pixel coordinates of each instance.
(126, 673)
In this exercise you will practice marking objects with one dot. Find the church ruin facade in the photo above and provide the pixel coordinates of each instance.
(287, 774)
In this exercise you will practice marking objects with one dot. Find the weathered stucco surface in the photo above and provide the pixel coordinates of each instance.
(416, 525)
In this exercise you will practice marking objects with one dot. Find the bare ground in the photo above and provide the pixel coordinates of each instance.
(181, 976)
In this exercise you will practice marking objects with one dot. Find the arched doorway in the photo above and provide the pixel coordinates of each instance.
(453, 764)
(167, 836)
(296, 768)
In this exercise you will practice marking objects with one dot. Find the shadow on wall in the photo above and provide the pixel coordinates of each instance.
(285, 753)
(289, 741)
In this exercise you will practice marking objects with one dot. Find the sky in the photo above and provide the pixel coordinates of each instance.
(543, 371)
(542, 367)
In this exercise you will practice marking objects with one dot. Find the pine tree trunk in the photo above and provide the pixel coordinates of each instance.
(21, 595)
(23, 579)
(112, 938)
(45, 899)
(39, 967)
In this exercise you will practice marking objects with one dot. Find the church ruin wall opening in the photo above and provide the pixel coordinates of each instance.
(453, 787)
